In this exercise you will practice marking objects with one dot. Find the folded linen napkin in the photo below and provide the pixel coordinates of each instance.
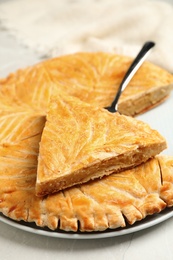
(54, 28)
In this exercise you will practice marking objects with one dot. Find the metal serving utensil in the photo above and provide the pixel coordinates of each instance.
(143, 53)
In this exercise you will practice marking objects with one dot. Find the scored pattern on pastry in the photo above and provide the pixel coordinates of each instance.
(95, 206)
(16, 126)
(107, 203)
(81, 142)
(92, 77)
(28, 89)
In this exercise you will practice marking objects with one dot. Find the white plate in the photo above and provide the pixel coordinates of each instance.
(144, 224)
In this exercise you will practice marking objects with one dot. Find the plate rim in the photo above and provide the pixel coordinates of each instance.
(146, 223)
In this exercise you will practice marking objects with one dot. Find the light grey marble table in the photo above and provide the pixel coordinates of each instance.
(152, 243)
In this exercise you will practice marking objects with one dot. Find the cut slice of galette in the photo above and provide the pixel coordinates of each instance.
(81, 142)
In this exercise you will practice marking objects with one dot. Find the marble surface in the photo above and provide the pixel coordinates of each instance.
(153, 243)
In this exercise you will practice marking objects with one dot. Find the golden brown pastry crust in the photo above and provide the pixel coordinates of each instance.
(95, 78)
(107, 203)
(92, 77)
(81, 142)
(111, 202)
(96, 206)
(26, 89)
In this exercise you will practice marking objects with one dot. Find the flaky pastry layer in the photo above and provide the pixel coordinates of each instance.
(81, 142)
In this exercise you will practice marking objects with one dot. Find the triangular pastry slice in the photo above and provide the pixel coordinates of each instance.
(82, 142)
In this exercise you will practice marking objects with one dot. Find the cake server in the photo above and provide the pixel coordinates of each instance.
(143, 53)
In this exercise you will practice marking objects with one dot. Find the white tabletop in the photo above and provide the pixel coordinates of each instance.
(152, 243)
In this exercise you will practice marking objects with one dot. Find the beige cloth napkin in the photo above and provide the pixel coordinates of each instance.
(54, 27)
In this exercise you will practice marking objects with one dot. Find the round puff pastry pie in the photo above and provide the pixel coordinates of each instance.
(92, 77)
(104, 203)
(99, 204)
